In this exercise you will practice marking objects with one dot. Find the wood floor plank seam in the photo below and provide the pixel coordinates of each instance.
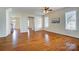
(38, 41)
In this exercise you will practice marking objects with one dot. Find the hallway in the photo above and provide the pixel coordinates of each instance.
(38, 41)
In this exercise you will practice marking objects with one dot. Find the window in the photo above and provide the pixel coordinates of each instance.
(70, 19)
(46, 22)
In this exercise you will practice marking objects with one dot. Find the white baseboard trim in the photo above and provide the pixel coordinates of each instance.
(62, 34)
(4, 35)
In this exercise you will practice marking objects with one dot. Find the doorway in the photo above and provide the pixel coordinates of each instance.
(13, 25)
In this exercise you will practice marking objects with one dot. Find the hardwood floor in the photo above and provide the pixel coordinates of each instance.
(38, 41)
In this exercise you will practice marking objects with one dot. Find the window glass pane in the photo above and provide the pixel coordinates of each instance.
(70, 19)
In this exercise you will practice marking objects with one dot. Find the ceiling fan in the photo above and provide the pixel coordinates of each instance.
(46, 10)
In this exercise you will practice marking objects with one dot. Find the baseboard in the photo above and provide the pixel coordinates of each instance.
(5, 35)
(63, 34)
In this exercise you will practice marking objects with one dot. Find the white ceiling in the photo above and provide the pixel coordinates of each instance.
(30, 10)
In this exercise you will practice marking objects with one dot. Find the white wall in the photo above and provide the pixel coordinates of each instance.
(2, 22)
(60, 28)
(8, 21)
(38, 23)
(17, 21)
(34, 23)
(23, 24)
(5, 22)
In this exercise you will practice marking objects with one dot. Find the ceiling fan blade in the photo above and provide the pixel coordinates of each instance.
(50, 10)
(46, 8)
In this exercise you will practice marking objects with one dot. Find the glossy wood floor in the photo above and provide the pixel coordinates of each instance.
(38, 41)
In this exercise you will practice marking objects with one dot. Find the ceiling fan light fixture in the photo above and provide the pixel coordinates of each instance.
(45, 11)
